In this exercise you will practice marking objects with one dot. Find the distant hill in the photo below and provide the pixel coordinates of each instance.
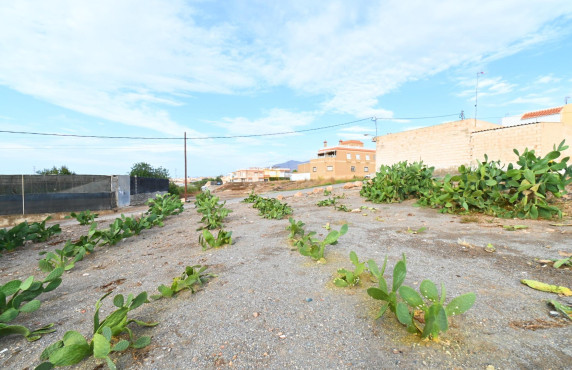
(293, 165)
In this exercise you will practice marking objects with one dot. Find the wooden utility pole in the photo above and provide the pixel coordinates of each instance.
(185, 167)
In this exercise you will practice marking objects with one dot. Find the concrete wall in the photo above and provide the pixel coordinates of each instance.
(300, 176)
(444, 146)
(142, 198)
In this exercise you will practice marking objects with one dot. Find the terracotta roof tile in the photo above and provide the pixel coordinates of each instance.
(350, 142)
(541, 113)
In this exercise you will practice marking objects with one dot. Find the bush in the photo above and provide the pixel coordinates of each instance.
(175, 189)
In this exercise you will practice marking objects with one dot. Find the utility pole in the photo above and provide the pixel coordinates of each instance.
(185, 166)
(477, 95)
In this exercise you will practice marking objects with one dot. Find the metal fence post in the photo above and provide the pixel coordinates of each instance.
(23, 194)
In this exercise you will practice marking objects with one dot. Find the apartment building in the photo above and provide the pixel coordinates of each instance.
(346, 160)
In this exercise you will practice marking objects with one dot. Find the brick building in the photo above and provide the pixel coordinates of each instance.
(346, 160)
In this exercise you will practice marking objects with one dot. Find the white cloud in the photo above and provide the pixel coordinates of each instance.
(352, 136)
(131, 61)
(277, 120)
(487, 87)
(359, 129)
(547, 79)
(534, 99)
(357, 56)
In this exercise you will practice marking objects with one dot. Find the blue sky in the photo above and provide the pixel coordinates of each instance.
(148, 68)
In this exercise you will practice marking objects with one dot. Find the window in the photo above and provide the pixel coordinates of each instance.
(330, 168)
(314, 169)
(358, 157)
(367, 157)
(366, 169)
(348, 156)
(353, 168)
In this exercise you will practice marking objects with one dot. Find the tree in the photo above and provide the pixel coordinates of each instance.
(143, 169)
(63, 170)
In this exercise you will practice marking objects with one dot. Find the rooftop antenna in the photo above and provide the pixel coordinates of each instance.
(476, 95)
(566, 100)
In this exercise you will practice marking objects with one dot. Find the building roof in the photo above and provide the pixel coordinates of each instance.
(542, 113)
(347, 148)
(351, 142)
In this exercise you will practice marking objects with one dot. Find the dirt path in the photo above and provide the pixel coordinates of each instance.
(271, 307)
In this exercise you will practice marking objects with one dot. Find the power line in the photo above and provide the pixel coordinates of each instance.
(223, 137)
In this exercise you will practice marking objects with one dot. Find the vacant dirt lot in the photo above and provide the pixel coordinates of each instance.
(271, 307)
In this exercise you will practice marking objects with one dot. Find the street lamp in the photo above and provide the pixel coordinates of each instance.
(374, 139)
(476, 95)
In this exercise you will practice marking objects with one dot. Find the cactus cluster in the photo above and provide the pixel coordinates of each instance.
(426, 318)
(121, 228)
(189, 279)
(214, 214)
(519, 191)
(16, 236)
(18, 296)
(84, 217)
(307, 244)
(74, 347)
(269, 207)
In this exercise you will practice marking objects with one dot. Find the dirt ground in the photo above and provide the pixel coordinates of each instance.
(269, 306)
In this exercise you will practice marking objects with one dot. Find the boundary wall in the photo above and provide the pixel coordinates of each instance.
(444, 146)
(449, 145)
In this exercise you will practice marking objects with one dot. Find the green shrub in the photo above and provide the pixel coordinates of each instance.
(175, 189)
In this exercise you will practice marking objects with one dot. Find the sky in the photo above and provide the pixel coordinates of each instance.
(221, 71)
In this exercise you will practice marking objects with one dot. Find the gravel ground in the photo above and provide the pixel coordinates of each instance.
(271, 307)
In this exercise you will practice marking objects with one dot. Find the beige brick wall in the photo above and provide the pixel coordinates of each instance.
(444, 146)
(447, 146)
(499, 144)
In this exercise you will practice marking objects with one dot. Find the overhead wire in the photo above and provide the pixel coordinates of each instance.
(223, 137)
